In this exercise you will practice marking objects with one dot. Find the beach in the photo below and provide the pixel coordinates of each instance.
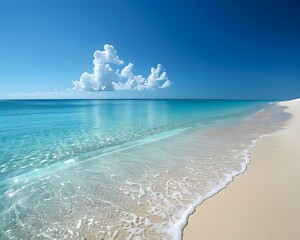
(263, 202)
(122, 169)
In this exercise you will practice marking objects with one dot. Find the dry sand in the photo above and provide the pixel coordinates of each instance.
(264, 202)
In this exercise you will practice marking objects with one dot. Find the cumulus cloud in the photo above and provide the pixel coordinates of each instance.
(106, 78)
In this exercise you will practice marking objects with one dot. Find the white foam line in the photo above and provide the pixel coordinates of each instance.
(183, 221)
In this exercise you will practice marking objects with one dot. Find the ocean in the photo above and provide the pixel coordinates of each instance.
(120, 169)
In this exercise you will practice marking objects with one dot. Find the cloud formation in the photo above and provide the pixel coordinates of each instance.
(106, 78)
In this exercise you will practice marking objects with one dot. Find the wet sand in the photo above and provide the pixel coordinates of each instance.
(264, 202)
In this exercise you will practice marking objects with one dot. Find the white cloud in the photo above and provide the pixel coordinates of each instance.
(166, 84)
(109, 55)
(105, 78)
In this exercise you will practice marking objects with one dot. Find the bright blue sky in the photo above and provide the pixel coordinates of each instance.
(210, 49)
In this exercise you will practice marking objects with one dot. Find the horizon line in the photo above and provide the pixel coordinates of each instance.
(216, 99)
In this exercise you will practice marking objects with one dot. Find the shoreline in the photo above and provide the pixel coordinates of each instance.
(252, 206)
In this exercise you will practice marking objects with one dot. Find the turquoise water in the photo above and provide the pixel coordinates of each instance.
(117, 169)
(36, 134)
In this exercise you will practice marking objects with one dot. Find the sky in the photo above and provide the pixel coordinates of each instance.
(217, 49)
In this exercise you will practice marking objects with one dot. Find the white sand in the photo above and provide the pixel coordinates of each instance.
(264, 202)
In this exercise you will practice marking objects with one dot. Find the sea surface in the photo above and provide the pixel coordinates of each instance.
(120, 169)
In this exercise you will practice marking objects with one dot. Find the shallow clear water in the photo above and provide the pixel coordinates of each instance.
(119, 169)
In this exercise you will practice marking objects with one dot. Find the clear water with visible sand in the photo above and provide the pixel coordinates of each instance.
(120, 169)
